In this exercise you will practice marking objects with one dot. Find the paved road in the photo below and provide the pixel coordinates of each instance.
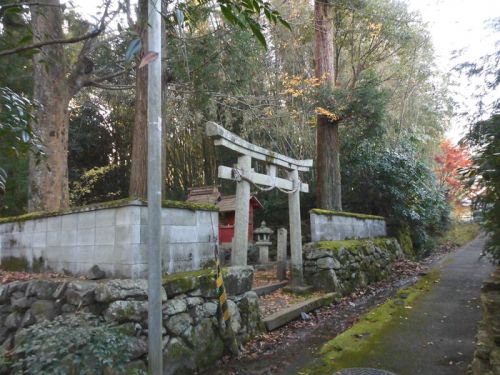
(438, 336)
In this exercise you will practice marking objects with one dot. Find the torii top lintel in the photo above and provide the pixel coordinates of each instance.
(230, 140)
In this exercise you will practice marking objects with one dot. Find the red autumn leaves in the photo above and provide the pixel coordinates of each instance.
(451, 164)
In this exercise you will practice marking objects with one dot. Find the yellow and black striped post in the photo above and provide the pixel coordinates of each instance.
(220, 291)
(219, 288)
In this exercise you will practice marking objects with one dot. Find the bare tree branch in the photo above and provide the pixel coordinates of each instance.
(112, 87)
(13, 51)
(87, 46)
(106, 77)
(80, 76)
(89, 81)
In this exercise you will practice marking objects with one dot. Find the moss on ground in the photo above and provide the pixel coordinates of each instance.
(193, 206)
(460, 233)
(321, 211)
(345, 350)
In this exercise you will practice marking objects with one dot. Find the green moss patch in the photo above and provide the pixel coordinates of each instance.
(38, 265)
(460, 233)
(404, 239)
(183, 282)
(193, 206)
(381, 242)
(320, 211)
(30, 216)
(15, 264)
(184, 275)
(345, 350)
(189, 274)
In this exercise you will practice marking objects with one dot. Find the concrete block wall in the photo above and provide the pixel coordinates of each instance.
(332, 226)
(114, 238)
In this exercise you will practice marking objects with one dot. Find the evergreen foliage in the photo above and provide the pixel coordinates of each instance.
(484, 140)
(396, 184)
(484, 175)
(71, 344)
(16, 141)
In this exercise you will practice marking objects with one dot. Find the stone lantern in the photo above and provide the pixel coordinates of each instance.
(263, 242)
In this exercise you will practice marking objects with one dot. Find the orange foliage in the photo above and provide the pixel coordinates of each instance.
(450, 163)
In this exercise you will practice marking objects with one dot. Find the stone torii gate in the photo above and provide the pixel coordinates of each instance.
(245, 176)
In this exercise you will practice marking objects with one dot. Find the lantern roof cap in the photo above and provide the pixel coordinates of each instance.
(263, 229)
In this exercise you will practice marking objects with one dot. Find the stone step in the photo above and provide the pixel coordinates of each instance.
(268, 289)
(282, 317)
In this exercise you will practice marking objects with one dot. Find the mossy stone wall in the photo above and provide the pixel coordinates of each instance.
(342, 266)
(192, 336)
(487, 355)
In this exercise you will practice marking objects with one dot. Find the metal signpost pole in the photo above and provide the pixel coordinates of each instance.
(155, 357)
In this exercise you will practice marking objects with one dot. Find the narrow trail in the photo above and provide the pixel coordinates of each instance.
(436, 339)
(301, 344)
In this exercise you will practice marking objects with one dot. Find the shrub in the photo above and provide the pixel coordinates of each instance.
(72, 344)
(484, 177)
(100, 184)
(395, 184)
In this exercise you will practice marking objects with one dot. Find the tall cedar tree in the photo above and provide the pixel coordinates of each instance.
(327, 134)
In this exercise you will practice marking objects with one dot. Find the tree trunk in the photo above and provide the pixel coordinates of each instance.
(328, 188)
(139, 168)
(328, 165)
(48, 185)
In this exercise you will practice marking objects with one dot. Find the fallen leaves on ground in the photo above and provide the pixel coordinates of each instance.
(345, 311)
(9, 276)
(280, 300)
(404, 268)
(265, 277)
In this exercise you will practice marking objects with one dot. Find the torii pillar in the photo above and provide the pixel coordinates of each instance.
(243, 174)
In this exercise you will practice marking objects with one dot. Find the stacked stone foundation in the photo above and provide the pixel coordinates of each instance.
(342, 266)
(487, 354)
(192, 336)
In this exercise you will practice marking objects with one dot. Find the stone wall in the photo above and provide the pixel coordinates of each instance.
(192, 339)
(487, 355)
(342, 266)
(113, 237)
(333, 226)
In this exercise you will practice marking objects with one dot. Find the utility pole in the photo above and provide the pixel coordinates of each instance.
(155, 347)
